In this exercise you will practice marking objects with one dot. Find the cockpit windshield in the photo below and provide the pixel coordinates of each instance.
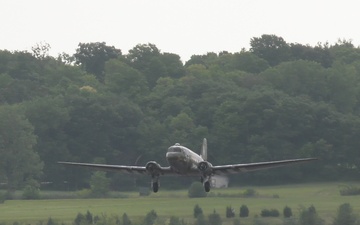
(174, 149)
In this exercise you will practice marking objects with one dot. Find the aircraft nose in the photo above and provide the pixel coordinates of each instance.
(173, 155)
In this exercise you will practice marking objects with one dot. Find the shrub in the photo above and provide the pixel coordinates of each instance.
(244, 211)
(250, 192)
(230, 212)
(150, 218)
(125, 220)
(287, 212)
(79, 219)
(309, 217)
(175, 221)
(196, 190)
(197, 211)
(270, 213)
(345, 215)
(214, 218)
(51, 222)
(31, 193)
(200, 220)
(349, 190)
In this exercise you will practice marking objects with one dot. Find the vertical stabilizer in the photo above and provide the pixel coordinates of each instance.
(203, 153)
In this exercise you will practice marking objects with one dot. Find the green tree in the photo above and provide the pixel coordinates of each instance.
(99, 184)
(272, 48)
(92, 57)
(146, 59)
(345, 216)
(19, 161)
(120, 78)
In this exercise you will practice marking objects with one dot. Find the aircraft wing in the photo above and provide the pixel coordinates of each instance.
(240, 168)
(117, 168)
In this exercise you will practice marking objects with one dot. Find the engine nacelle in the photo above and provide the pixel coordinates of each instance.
(205, 167)
(153, 168)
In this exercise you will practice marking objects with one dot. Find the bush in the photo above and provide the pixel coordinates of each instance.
(196, 190)
(197, 211)
(270, 213)
(349, 190)
(250, 192)
(244, 211)
(31, 193)
(309, 217)
(214, 218)
(287, 212)
(125, 220)
(345, 215)
(150, 218)
(230, 212)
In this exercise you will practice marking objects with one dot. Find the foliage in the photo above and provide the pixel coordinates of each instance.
(128, 108)
(349, 190)
(345, 216)
(287, 212)
(197, 211)
(200, 220)
(126, 220)
(196, 190)
(93, 56)
(270, 213)
(99, 184)
(214, 218)
(244, 211)
(309, 217)
(150, 218)
(176, 221)
(230, 212)
(250, 192)
(31, 190)
(18, 160)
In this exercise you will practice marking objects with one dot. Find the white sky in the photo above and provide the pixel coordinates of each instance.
(183, 27)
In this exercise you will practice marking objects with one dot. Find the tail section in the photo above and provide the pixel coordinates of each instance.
(203, 153)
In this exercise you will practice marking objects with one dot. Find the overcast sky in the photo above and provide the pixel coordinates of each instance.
(183, 27)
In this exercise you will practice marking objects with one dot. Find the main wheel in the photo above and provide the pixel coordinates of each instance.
(207, 186)
(155, 186)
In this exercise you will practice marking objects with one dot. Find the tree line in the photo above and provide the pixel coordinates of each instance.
(275, 101)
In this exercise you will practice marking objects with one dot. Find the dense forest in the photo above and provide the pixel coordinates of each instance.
(275, 101)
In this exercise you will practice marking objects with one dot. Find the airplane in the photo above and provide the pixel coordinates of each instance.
(184, 162)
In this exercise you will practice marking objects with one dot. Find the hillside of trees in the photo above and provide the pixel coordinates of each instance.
(276, 101)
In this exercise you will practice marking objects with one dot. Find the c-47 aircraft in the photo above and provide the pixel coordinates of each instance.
(185, 162)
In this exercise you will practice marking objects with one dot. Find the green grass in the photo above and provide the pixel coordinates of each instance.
(324, 196)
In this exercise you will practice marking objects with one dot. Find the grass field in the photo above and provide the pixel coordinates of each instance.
(324, 196)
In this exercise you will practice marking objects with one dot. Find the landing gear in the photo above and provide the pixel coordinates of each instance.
(155, 186)
(207, 186)
(155, 183)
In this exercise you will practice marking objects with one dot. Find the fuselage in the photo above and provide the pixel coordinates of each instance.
(181, 159)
